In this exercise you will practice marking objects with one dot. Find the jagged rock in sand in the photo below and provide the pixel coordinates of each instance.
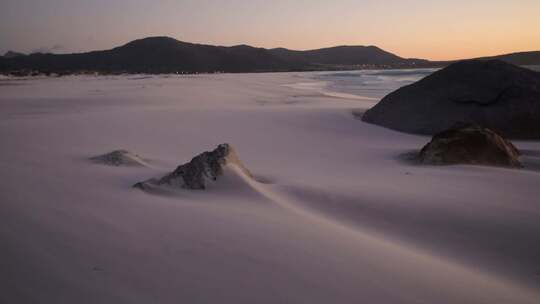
(201, 170)
(492, 93)
(470, 144)
(120, 158)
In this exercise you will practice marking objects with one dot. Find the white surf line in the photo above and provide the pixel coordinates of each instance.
(318, 86)
(348, 96)
(438, 264)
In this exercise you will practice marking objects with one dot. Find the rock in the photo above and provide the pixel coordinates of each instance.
(120, 158)
(491, 93)
(470, 144)
(202, 169)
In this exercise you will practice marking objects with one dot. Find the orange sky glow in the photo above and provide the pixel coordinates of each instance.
(436, 29)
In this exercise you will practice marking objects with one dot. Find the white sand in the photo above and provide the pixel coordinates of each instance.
(340, 219)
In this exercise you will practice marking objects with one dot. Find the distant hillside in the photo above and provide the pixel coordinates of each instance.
(347, 56)
(522, 58)
(156, 55)
(11, 54)
(167, 55)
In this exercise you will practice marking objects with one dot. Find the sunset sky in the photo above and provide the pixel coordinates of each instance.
(431, 29)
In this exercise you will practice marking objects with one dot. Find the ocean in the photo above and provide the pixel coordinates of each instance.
(366, 84)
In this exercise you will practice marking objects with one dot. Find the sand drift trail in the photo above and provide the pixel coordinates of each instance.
(418, 235)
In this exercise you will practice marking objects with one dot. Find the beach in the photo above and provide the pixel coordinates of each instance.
(336, 212)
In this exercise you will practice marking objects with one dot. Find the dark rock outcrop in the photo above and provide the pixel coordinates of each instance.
(196, 174)
(470, 144)
(119, 158)
(492, 93)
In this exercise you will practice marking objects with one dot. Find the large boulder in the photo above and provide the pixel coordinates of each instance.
(470, 144)
(491, 93)
(203, 169)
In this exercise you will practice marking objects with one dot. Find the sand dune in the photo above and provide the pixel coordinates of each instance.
(332, 216)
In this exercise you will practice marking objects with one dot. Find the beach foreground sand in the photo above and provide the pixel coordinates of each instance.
(335, 214)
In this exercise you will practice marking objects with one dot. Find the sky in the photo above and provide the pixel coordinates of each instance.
(430, 29)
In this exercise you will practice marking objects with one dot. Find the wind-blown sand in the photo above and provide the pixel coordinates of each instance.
(340, 218)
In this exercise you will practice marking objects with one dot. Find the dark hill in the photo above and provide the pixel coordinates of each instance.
(11, 54)
(156, 55)
(168, 55)
(346, 55)
(522, 58)
(490, 93)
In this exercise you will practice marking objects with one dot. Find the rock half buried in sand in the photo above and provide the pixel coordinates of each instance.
(201, 170)
(470, 144)
(492, 94)
(120, 158)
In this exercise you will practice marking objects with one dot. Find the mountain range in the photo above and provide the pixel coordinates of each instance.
(156, 55)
